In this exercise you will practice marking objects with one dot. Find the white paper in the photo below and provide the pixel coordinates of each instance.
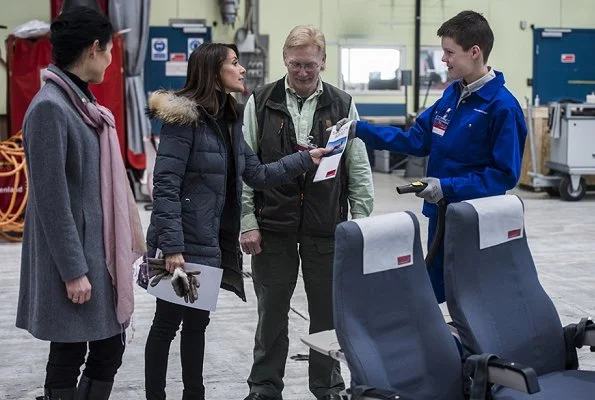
(176, 68)
(208, 292)
(330, 162)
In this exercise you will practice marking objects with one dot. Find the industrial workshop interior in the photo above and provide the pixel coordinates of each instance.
(294, 200)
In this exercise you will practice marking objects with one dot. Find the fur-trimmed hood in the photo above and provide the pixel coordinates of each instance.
(171, 109)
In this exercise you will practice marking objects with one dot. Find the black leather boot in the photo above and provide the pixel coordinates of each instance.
(90, 389)
(58, 394)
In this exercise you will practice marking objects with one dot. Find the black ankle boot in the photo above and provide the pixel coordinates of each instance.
(58, 394)
(90, 389)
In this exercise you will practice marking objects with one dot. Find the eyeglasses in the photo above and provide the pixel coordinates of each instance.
(296, 67)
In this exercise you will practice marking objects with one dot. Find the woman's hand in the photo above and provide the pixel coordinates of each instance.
(317, 154)
(79, 290)
(173, 261)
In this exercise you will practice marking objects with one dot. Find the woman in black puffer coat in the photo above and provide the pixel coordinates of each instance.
(201, 163)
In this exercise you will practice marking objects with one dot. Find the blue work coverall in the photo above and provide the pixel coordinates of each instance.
(475, 149)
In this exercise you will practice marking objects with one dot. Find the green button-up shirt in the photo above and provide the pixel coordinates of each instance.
(360, 185)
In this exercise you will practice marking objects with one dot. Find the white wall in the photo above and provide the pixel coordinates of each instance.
(163, 10)
(391, 22)
(381, 22)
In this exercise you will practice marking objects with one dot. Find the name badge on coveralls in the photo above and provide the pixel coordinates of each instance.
(441, 123)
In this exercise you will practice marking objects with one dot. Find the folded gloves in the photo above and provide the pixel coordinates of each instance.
(185, 283)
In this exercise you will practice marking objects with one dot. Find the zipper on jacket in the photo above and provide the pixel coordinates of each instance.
(303, 188)
(222, 139)
(301, 209)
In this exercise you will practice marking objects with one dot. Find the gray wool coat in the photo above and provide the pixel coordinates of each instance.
(63, 237)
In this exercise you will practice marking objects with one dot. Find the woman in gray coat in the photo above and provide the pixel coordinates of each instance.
(76, 274)
(201, 162)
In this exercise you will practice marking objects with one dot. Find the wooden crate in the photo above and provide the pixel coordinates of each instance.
(541, 133)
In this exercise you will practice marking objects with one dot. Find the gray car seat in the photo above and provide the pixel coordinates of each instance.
(498, 304)
(389, 328)
(388, 324)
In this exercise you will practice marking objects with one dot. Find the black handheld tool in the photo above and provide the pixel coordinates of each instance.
(413, 187)
(416, 187)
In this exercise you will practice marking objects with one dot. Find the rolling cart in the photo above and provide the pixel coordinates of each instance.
(572, 152)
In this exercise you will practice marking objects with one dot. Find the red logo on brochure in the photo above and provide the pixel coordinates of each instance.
(332, 172)
(404, 260)
(514, 233)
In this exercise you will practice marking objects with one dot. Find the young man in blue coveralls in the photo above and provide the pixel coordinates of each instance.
(474, 135)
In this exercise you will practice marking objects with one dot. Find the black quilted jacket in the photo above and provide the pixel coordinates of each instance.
(189, 187)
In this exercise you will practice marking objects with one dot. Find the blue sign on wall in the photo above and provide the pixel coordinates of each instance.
(563, 64)
(163, 65)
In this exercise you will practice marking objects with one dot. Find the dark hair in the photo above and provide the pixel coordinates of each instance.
(203, 79)
(75, 30)
(467, 29)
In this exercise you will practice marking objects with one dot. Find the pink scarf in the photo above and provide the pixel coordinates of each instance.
(122, 231)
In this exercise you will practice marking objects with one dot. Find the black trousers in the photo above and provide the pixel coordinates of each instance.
(166, 323)
(65, 360)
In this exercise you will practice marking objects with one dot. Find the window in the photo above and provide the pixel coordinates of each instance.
(432, 71)
(365, 68)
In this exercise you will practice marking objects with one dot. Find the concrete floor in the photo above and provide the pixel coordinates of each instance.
(560, 234)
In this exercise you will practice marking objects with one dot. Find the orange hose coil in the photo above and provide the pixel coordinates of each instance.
(12, 219)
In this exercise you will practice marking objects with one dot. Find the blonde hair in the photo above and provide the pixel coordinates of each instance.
(305, 35)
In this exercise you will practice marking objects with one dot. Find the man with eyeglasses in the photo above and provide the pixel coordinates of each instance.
(295, 223)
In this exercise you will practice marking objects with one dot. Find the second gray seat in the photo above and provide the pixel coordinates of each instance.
(498, 304)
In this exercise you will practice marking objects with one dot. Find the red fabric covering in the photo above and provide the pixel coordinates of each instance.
(26, 58)
(56, 5)
(110, 93)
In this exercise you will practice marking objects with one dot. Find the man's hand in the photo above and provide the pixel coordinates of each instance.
(433, 192)
(317, 154)
(342, 122)
(79, 290)
(250, 242)
(173, 261)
